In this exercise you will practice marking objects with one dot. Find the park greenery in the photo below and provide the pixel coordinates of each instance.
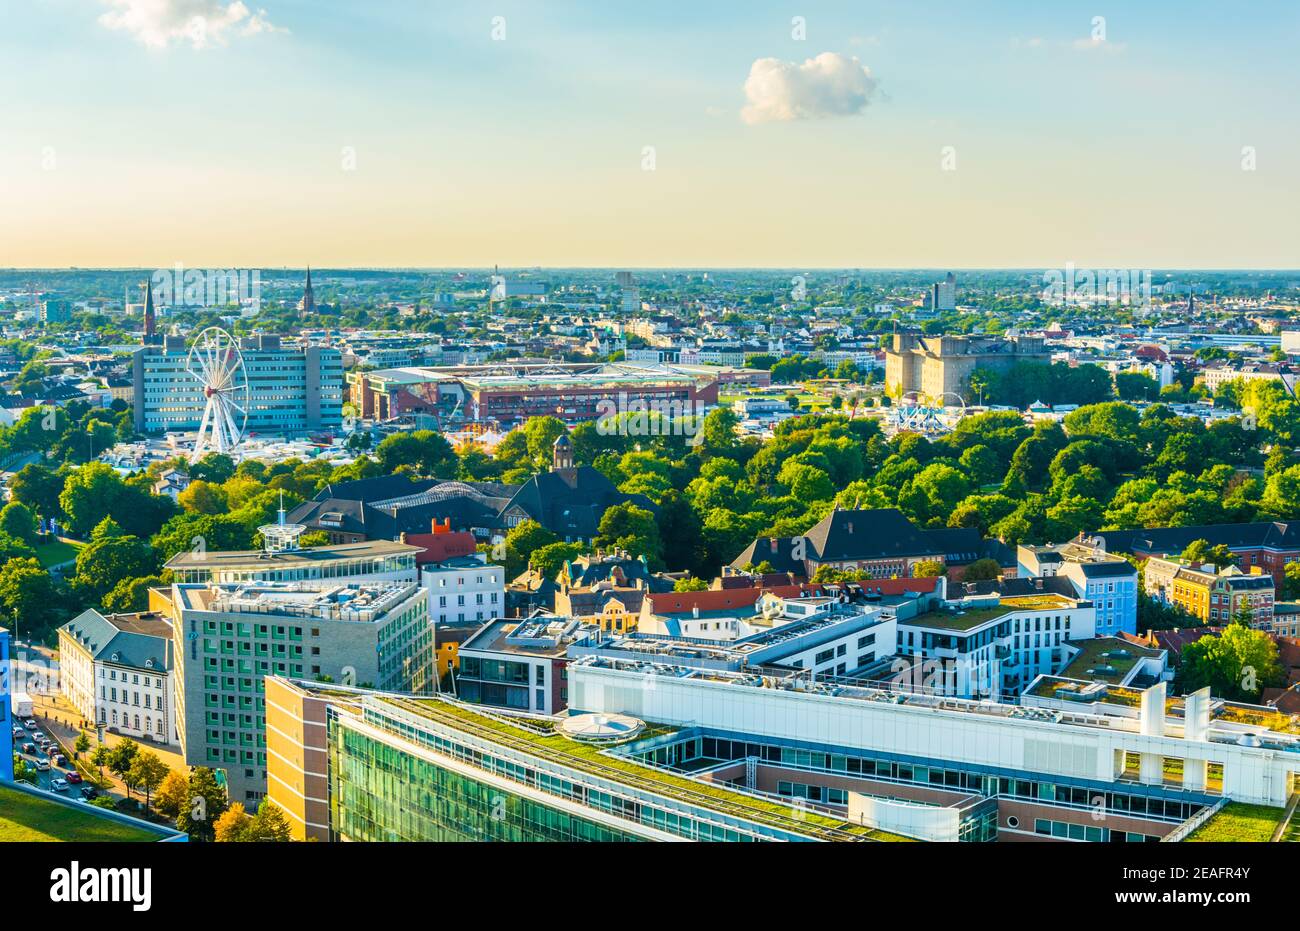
(703, 491)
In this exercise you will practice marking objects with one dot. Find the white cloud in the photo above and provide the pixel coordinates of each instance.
(201, 23)
(828, 85)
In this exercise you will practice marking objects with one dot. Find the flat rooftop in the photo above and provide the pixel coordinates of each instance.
(538, 737)
(365, 601)
(1105, 659)
(970, 618)
(27, 816)
(317, 555)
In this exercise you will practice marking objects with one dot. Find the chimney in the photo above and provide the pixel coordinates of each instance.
(695, 611)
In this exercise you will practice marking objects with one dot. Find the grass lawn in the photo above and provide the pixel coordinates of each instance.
(1239, 822)
(25, 818)
(60, 551)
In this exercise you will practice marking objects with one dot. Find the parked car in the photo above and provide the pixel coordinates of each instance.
(59, 785)
(89, 792)
(74, 777)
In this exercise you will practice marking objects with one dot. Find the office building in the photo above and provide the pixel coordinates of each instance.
(236, 634)
(744, 757)
(292, 390)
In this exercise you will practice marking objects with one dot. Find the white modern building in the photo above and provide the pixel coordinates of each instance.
(117, 672)
(988, 646)
(464, 590)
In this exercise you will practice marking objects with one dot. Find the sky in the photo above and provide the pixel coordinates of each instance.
(440, 133)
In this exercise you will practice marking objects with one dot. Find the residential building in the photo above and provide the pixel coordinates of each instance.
(569, 500)
(293, 390)
(464, 589)
(1267, 544)
(881, 542)
(1210, 594)
(1110, 582)
(116, 670)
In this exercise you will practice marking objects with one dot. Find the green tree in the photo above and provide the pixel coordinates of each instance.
(521, 542)
(205, 802)
(628, 527)
(927, 569)
(102, 564)
(1238, 664)
(101, 758)
(38, 486)
(981, 570)
(547, 560)
(130, 595)
(146, 773)
(1199, 552)
(17, 520)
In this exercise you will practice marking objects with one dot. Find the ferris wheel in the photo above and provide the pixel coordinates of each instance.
(215, 360)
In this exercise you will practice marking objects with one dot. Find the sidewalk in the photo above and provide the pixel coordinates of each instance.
(63, 722)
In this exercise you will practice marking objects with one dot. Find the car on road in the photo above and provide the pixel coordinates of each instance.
(42, 765)
(19, 733)
(60, 761)
(74, 777)
(89, 792)
(59, 785)
(29, 747)
(30, 724)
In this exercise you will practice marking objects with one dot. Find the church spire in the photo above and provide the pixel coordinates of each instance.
(308, 303)
(150, 321)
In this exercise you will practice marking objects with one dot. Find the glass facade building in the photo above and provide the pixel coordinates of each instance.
(381, 793)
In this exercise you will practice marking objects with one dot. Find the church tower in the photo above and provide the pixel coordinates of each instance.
(308, 303)
(150, 317)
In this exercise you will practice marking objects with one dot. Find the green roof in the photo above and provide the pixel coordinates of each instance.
(597, 761)
(26, 816)
(1239, 822)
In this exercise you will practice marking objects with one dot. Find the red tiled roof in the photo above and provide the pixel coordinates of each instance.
(715, 600)
(439, 547)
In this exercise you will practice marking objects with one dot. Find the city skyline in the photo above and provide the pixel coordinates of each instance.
(579, 137)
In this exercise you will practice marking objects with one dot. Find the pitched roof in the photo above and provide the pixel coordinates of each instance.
(878, 533)
(1163, 540)
(141, 641)
(571, 502)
